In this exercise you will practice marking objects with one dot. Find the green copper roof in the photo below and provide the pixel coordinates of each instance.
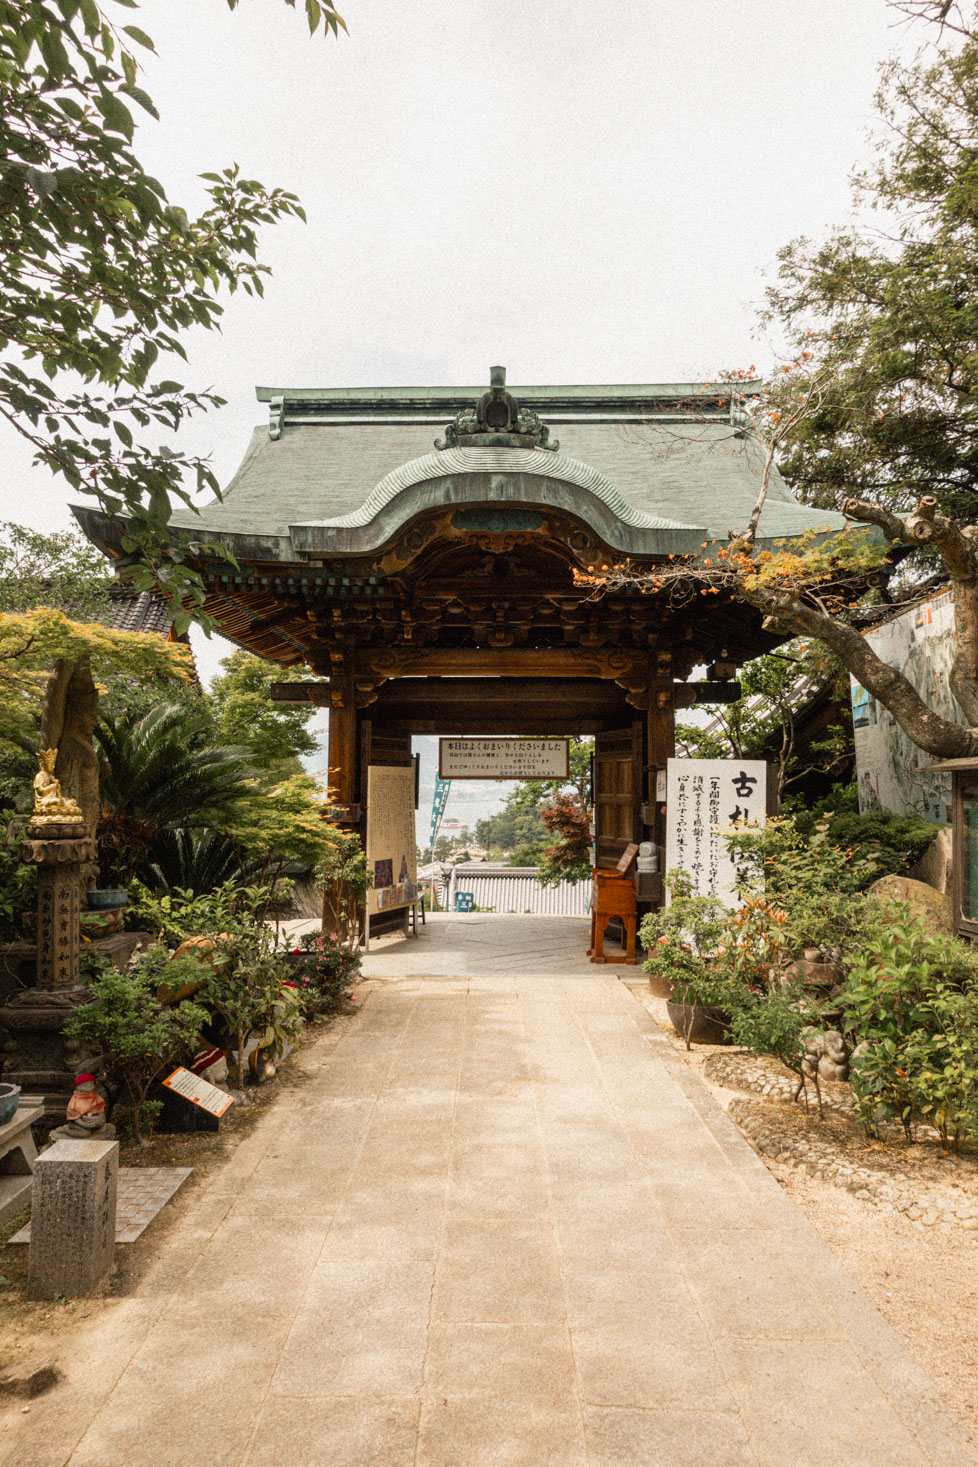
(653, 469)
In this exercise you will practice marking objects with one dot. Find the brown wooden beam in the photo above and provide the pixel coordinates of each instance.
(501, 705)
(458, 724)
(521, 662)
(299, 692)
(502, 694)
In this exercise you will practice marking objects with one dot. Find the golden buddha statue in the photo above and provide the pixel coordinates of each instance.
(51, 807)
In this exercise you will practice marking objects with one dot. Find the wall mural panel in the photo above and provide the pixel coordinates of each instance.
(891, 770)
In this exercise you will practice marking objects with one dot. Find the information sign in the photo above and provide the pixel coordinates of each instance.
(704, 796)
(391, 841)
(200, 1092)
(503, 758)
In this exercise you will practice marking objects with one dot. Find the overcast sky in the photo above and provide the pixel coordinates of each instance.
(582, 192)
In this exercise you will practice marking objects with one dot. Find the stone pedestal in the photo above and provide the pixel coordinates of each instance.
(72, 1244)
(37, 1056)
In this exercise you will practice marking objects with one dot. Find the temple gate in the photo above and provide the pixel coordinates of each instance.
(417, 549)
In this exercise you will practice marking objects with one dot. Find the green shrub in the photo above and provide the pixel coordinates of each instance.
(695, 922)
(137, 1036)
(894, 843)
(911, 1006)
(325, 973)
(177, 914)
(248, 987)
(346, 878)
(690, 943)
(817, 883)
(777, 1023)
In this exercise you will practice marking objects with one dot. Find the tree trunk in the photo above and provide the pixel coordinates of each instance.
(927, 729)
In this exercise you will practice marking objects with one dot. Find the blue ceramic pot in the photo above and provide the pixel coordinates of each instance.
(9, 1101)
(107, 898)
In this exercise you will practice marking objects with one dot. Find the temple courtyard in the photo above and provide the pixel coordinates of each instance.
(498, 1221)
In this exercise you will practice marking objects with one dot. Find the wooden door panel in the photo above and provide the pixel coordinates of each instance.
(618, 768)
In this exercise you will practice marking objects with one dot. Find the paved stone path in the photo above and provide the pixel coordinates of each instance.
(501, 1223)
(485, 944)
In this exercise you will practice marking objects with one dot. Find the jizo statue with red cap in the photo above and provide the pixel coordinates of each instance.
(85, 1119)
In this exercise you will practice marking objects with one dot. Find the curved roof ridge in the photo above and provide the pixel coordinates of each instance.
(542, 462)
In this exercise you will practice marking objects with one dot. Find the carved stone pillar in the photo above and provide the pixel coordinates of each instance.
(59, 857)
(37, 1057)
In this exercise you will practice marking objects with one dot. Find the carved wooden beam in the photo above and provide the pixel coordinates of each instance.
(620, 664)
(317, 693)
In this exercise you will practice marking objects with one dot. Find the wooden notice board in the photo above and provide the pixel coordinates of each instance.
(391, 842)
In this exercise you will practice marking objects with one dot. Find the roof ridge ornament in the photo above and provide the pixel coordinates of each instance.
(497, 421)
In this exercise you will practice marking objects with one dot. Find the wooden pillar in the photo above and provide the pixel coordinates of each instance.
(344, 782)
(343, 742)
(661, 737)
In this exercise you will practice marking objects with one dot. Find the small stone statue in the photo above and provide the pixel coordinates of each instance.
(51, 807)
(825, 1052)
(86, 1115)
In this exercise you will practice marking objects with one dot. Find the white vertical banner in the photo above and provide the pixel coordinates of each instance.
(703, 795)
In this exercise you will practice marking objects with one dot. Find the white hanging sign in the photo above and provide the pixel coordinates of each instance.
(503, 758)
(704, 796)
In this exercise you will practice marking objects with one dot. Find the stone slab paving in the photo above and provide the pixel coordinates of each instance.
(480, 944)
(143, 1192)
(500, 1225)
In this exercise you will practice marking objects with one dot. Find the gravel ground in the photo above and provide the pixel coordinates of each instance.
(924, 1282)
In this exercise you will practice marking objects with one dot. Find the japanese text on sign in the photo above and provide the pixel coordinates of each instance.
(703, 798)
(391, 845)
(201, 1092)
(503, 758)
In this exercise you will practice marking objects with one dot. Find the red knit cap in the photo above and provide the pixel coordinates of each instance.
(81, 1079)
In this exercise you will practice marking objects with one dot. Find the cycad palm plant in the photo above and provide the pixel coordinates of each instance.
(195, 860)
(159, 774)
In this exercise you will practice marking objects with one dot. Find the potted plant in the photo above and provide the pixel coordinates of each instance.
(701, 996)
(687, 943)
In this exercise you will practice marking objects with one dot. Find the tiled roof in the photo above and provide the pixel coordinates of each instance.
(138, 611)
(665, 454)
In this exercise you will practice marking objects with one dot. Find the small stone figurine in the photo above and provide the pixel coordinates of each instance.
(51, 807)
(86, 1115)
(825, 1052)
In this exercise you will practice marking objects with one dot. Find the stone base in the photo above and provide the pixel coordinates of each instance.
(36, 1055)
(70, 1131)
(44, 828)
(73, 1219)
(18, 960)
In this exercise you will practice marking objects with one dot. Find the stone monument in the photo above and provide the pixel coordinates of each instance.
(73, 1218)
